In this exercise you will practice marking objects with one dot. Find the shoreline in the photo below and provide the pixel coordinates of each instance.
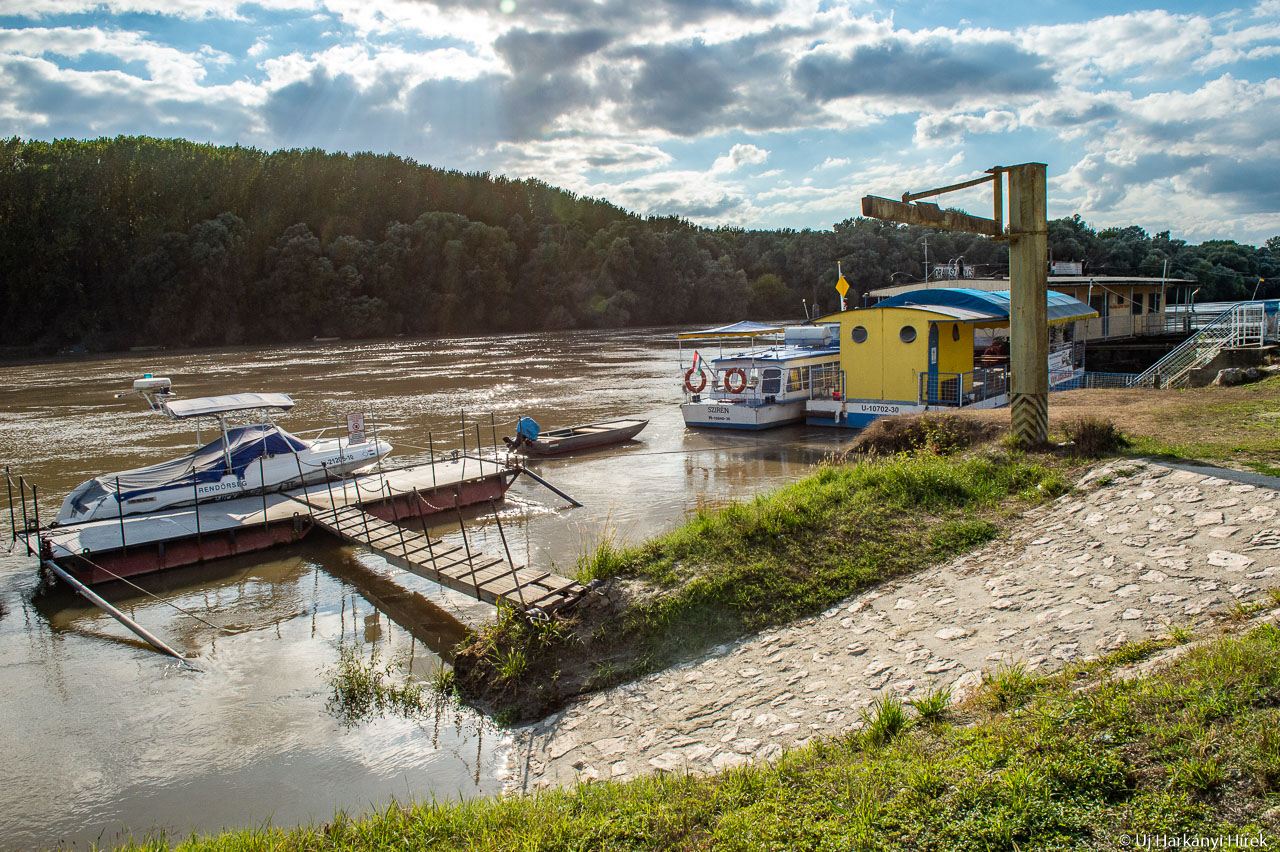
(1137, 547)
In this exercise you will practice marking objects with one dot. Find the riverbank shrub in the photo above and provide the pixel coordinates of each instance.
(1094, 437)
(933, 433)
(731, 570)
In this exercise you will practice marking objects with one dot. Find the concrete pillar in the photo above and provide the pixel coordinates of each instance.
(1028, 308)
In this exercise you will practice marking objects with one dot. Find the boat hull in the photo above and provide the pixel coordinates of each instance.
(737, 415)
(560, 441)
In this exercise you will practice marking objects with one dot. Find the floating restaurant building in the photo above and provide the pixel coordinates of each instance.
(921, 350)
(937, 348)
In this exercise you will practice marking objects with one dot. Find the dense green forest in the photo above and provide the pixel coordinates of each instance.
(112, 243)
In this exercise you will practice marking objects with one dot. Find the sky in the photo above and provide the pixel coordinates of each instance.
(747, 113)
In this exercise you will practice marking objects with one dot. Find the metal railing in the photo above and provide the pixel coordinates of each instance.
(961, 389)
(1240, 326)
(1088, 381)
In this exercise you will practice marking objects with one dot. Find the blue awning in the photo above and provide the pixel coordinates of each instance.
(1062, 308)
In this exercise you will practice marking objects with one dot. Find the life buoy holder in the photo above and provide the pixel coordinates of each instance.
(735, 387)
(688, 380)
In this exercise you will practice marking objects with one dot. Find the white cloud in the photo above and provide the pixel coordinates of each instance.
(612, 99)
(934, 128)
(739, 155)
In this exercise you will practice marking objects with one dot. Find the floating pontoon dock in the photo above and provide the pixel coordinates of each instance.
(376, 510)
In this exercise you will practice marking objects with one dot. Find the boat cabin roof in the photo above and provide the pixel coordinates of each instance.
(780, 354)
(212, 406)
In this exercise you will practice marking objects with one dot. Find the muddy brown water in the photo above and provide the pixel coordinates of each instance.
(103, 737)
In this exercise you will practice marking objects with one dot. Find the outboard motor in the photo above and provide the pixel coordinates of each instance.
(527, 430)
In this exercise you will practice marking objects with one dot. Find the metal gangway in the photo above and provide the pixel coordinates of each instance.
(489, 579)
(1241, 326)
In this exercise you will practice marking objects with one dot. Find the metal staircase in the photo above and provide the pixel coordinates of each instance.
(1240, 326)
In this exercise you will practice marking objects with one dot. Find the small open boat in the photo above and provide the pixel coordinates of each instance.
(559, 441)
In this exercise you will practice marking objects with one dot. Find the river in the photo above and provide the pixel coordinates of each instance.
(104, 737)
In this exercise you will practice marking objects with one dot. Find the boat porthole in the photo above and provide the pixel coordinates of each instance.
(859, 334)
(907, 334)
(955, 331)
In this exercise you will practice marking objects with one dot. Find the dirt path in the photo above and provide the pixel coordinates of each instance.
(1135, 547)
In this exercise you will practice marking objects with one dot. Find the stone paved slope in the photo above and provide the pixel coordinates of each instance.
(1135, 547)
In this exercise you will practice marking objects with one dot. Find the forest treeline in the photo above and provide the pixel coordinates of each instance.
(135, 241)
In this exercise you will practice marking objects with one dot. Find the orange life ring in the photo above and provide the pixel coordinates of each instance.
(729, 383)
(688, 380)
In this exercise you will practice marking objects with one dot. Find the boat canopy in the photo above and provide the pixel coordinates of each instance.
(992, 303)
(738, 329)
(777, 355)
(211, 406)
(207, 464)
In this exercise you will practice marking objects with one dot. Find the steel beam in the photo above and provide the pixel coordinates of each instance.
(928, 215)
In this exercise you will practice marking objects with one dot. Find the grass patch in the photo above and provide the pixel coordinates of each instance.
(365, 689)
(932, 706)
(1162, 755)
(733, 569)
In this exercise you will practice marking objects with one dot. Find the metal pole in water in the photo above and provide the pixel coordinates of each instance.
(329, 484)
(302, 481)
(422, 516)
(479, 452)
(493, 428)
(262, 482)
(137, 629)
(195, 496)
(22, 491)
(463, 415)
(35, 505)
(525, 469)
(124, 547)
(471, 562)
(431, 448)
(395, 513)
(514, 577)
(13, 521)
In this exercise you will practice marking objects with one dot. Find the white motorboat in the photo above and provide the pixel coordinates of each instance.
(254, 458)
(761, 386)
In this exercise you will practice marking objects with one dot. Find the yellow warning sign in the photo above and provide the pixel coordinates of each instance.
(842, 287)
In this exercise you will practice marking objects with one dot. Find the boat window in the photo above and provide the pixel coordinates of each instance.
(955, 331)
(907, 334)
(859, 334)
(771, 381)
(797, 378)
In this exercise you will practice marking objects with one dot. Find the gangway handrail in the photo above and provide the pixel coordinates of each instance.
(1226, 318)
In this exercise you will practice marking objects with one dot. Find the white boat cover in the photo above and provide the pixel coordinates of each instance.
(738, 329)
(207, 464)
(208, 406)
